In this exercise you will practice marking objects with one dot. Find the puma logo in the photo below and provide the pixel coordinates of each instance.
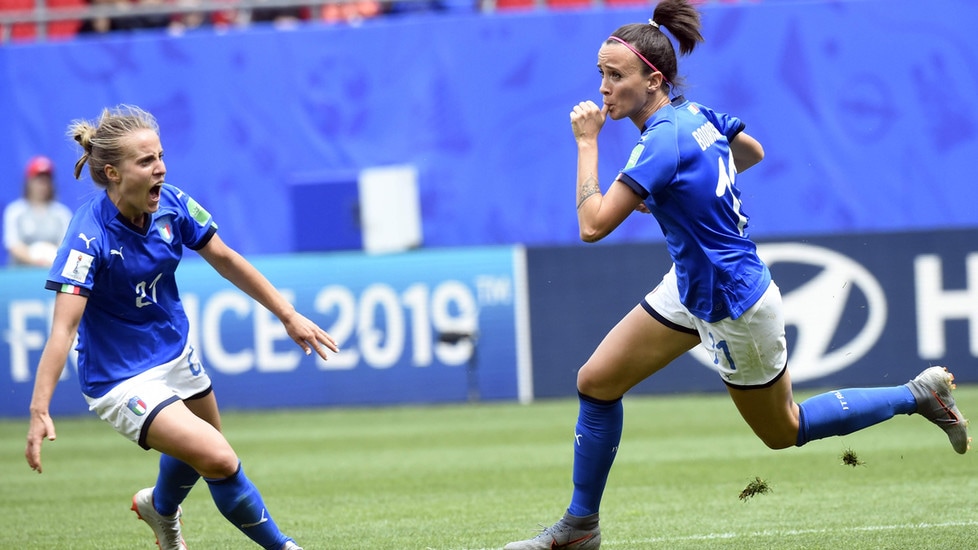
(86, 239)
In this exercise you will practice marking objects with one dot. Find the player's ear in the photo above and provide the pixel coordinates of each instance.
(111, 173)
(655, 81)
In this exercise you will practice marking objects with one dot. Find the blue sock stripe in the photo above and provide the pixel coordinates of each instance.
(845, 411)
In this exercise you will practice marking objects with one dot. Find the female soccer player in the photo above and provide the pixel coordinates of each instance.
(718, 292)
(114, 275)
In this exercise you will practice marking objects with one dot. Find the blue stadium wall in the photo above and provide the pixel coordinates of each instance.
(864, 108)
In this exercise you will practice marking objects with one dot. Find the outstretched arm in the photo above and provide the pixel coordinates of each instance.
(235, 268)
(68, 309)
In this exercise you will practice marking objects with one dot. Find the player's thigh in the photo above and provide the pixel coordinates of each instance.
(637, 347)
(180, 433)
(770, 411)
(205, 407)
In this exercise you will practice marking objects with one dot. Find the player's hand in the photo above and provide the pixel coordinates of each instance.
(41, 426)
(587, 120)
(309, 336)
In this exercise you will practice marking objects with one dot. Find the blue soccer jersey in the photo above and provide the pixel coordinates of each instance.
(134, 319)
(683, 170)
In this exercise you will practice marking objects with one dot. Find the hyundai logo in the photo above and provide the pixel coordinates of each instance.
(816, 309)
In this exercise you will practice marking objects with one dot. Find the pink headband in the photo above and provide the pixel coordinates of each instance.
(640, 56)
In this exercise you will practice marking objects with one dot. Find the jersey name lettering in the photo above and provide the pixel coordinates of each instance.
(706, 135)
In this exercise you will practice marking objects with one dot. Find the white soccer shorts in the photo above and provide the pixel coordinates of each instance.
(748, 352)
(131, 406)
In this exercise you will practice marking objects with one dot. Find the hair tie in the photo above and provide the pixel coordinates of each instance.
(640, 56)
(653, 23)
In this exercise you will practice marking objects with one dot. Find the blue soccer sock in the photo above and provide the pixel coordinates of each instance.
(173, 484)
(596, 439)
(845, 411)
(241, 503)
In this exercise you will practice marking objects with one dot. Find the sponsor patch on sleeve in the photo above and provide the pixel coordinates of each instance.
(77, 265)
(197, 212)
(636, 153)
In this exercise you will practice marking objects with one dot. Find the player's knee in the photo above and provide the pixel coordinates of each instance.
(591, 383)
(588, 383)
(218, 464)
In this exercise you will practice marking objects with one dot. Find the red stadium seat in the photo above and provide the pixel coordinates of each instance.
(515, 4)
(56, 29)
(568, 4)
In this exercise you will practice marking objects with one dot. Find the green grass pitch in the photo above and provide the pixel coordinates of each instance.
(473, 477)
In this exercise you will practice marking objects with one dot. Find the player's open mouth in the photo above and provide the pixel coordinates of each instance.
(154, 192)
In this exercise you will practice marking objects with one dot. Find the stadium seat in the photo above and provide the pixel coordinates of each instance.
(568, 4)
(55, 29)
(504, 5)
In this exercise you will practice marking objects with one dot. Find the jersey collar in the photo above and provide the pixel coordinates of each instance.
(676, 102)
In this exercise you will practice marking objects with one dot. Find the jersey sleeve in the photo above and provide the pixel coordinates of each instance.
(653, 163)
(197, 226)
(78, 258)
(728, 125)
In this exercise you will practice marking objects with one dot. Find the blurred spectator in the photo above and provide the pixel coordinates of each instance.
(280, 16)
(34, 225)
(353, 11)
(125, 22)
(222, 18)
(189, 20)
(103, 24)
(147, 20)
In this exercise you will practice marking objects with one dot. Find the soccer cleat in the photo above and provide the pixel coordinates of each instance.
(166, 528)
(932, 390)
(291, 545)
(584, 535)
